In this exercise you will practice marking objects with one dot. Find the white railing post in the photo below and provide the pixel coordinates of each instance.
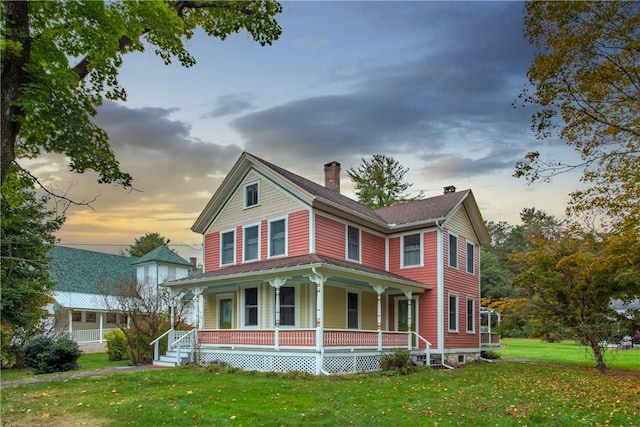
(408, 294)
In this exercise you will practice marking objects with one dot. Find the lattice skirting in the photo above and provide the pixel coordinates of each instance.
(332, 363)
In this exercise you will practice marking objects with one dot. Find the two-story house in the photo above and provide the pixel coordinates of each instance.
(299, 277)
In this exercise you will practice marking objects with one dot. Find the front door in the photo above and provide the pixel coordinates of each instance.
(225, 308)
(402, 316)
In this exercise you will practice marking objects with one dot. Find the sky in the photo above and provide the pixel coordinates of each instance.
(432, 84)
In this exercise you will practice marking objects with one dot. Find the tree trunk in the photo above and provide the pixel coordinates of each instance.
(598, 355)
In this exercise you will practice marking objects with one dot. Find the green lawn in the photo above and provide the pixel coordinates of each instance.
(566, 352)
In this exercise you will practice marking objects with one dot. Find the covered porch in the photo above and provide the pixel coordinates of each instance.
(312, 314)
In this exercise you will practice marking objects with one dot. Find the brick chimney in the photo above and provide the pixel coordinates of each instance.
(449, 189)
(332, 176)
(194, 263)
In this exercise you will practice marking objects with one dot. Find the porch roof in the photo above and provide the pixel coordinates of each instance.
(299, 265)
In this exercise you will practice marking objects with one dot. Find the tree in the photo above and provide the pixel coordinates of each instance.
(575, 276)
(586, 76)
(145, 244)
(495, 279)
(48, 103)
(380, 182)
(27, 231)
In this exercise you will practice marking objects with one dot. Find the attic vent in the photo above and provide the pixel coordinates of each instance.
(449, 189)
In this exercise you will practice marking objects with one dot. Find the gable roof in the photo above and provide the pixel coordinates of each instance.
(78, 270)
(162, 254)
(425, 212)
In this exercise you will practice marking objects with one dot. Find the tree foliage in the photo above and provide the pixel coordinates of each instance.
(586, 80)
(575, 276)
(60, 60)
(145, 244)
(379, 182)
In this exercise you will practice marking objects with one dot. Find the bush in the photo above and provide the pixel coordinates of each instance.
(45, 354)
(399, 360)
(117, 348)
(490, 355)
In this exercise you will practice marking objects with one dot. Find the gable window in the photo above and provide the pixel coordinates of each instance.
(353, 243)
(251, 195)
(352, 311)
(453, 312)
(471, 315)
(411, 250)
(251, 307)
(453, 251)
(287, 306)
(470, 258)
(251, 243)
(227, 247)
(277, 237)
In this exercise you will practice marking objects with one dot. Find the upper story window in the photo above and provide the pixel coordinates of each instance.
(453, 250)
(251, 194)
(171, 273)
(251, 307)
(251, 250)
(227, 247)
(453, 312)
(277, 237)
(353, 243)
(471, 262)
(411, 250)
(471, 315)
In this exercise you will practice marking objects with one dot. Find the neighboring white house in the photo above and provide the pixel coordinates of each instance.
(79, 307)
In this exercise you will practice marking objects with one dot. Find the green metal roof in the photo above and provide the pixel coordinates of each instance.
(162, 254)
(77, 270)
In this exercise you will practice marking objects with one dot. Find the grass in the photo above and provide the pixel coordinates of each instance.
(566, 353)
(86, 362)
(478, 394)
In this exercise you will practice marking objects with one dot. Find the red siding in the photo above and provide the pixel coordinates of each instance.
(330, 237)
(457, 280)
(211, 251)
(428, 272)
(239, 244)
(372, 250)
(264, 240)
(298, 237)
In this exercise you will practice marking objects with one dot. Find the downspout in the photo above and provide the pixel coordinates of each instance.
(440, 292)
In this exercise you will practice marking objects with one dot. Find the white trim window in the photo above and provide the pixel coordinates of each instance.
(353, 243)
(411, 251)
(453, 312)
(228, 247)
(471, 315)
(453, 250)
(353, 310)
(277, 237)
(250, 296)
(471, 259)
(251, 242)
(287, 306)
(251, 194)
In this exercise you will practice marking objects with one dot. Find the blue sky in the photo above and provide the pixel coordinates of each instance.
(430, 83)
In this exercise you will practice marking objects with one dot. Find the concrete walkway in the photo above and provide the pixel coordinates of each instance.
(75, 374)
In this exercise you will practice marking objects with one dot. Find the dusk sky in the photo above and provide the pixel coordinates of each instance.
(430, 83)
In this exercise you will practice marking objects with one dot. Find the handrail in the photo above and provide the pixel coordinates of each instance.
(193, 338)
(156, 345)
(427, 350)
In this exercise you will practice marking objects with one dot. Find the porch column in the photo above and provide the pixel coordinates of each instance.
(200, 315)
(101, 328)
(172, 309)
(409, 294)
(70, 324)
(319, 280)
(379, 290)
(277, 284)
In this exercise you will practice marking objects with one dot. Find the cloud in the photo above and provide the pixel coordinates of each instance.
(228, 105)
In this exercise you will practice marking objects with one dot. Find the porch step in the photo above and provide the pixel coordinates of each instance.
(170, 357)
(164, 364)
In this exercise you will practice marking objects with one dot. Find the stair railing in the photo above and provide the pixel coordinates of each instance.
(156, 345)
(189, 339)
(427, 349)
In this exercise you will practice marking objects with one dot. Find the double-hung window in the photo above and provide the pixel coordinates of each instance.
(453, 250)
(287, 306)
(352, 311)
(470, 258)
(251, 307)
(471, 315)
(227, 247)
(453, 312)
(277, 237)
(251, 194)
(353, 243)
(251, 243)
(411, 250)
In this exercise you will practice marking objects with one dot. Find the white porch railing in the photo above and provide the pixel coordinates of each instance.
(86, 336)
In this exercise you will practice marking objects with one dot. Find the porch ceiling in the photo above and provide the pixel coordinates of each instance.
(344, 272)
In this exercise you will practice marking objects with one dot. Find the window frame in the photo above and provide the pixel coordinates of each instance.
(296, 307)
(471, 250)
(245, 194)
(348, 243)
(233, 246)
(455, 313)
(255, 307)
(94, 317)
(358, 310)
(270, 236)
(471, 315)
(244, 242)
(457, 256)
(76, 316)
(112, 318)
(421, 250)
